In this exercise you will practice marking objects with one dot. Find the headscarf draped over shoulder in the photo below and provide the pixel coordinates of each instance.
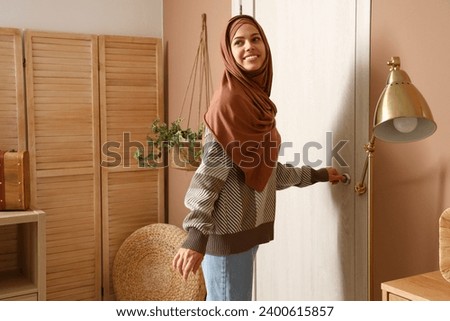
(241, 114)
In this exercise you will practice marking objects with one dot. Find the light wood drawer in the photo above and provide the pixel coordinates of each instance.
(394, 297)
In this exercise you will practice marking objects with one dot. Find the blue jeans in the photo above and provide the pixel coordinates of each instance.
(230, 277)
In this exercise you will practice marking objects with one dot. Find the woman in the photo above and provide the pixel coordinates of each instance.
(232, 194)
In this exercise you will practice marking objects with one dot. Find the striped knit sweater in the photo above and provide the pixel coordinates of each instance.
(228, 217)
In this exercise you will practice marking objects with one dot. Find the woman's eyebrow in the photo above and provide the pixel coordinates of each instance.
(252, 35)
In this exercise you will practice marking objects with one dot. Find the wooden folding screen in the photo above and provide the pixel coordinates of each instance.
(12, 126)
(12, 104)
(90, 102)
(63, 136)
(131, 97)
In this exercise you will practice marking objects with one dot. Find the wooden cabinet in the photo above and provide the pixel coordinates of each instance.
(22, 255)
(423, 287)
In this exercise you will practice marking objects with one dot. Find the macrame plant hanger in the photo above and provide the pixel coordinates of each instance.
(197, 95)
(200, 81)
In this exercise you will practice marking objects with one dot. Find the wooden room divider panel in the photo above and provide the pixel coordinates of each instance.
(12, 125)
(131, 97)
(63, 137)
(12, 104)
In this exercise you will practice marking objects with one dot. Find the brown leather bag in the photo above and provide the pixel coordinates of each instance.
(14, 180)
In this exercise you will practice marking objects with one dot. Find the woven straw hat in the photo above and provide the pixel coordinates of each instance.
(142, 269)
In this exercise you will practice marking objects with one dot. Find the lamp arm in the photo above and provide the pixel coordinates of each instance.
(361, 188)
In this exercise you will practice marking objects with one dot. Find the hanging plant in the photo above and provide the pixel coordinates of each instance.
(183, 144)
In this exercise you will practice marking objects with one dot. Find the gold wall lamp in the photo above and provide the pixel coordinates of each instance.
(401, 115)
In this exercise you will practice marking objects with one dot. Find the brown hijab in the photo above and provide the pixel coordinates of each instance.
(241, 114)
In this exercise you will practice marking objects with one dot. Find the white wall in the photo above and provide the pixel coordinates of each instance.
(111, 17)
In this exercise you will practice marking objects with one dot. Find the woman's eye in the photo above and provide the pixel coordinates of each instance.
(237, 43)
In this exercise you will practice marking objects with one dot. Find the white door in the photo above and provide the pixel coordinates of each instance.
(320, 52)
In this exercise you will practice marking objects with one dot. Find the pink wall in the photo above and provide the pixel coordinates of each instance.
(182, 27)
(412, 180)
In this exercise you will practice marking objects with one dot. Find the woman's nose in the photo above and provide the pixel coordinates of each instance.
(248, 45)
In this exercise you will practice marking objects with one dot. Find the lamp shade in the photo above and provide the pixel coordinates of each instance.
(402, 113)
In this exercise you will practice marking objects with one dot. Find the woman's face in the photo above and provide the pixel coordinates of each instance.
(247, 47)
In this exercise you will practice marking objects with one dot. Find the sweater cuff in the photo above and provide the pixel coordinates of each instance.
(320, 175)
(196, 241)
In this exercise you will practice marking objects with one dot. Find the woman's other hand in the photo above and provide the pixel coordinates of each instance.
(187, 261)
(333, 176)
